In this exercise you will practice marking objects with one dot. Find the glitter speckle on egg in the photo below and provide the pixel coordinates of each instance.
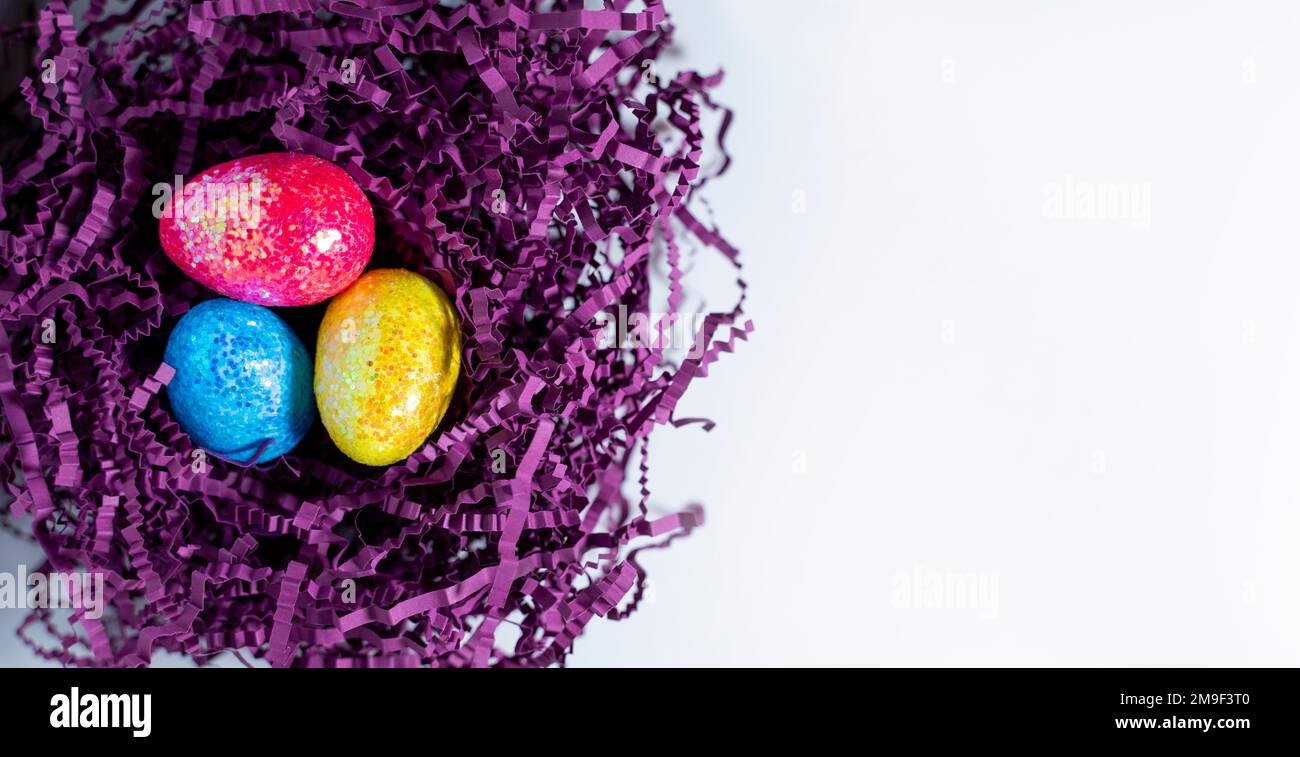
(273, 229)
(242, 388)
(387, 359)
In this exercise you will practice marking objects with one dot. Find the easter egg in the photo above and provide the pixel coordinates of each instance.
(242, 382)
(387, 359)
(275, 229)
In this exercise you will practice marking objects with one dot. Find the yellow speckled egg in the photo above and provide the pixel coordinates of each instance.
(387, 358)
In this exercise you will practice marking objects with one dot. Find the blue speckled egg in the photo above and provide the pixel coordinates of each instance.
(242, 378)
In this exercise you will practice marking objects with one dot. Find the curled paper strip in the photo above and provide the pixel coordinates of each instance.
(524, 155)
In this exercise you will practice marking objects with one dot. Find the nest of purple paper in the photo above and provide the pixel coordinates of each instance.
(530, 158)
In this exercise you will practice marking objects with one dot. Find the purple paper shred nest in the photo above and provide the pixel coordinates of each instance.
(524, 155)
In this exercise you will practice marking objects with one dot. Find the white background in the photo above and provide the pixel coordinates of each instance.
(1097, 418)
(1102, 421)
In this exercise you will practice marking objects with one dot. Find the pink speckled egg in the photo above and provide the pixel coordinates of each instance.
(276, 229)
